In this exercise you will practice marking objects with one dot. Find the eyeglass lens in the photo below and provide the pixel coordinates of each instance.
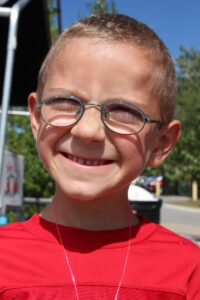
(61, 112)
(124, 119)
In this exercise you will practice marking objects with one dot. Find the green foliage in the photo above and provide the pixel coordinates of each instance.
(37, 182)
(183, 165)
(23, 213)
(188, 111)
(101, 7)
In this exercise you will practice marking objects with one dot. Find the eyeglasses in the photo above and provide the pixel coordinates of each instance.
(118, 116)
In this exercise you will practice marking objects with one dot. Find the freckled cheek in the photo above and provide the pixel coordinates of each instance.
(46, 146)
(133, 151)
(44, 150)
(50, 135)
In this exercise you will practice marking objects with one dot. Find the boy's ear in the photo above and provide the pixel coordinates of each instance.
(34, 114)
(166, 140)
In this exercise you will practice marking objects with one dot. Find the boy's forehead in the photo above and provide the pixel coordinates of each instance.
(93, 49)
(81, 57)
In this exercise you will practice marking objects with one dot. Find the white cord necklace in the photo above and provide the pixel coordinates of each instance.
(69, 266)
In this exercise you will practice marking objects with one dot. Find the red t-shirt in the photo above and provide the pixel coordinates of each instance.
(161, 265)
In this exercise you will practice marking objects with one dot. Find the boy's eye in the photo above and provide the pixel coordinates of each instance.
(60, 111)
(63, 105)
(125, 115)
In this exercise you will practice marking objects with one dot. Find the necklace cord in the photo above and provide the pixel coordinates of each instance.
(66, 256)
(69, 266)
(126, 261)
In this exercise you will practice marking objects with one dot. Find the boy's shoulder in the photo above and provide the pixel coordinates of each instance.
(19, 233)
(172, 236)
(11, 232)
(167, 241)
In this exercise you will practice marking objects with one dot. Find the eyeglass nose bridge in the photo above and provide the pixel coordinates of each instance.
(104, 112)
(93, 104)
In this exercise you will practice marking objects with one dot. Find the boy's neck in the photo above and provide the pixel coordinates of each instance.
(101, 214)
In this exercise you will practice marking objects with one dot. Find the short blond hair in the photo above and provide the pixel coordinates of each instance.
(120, 28)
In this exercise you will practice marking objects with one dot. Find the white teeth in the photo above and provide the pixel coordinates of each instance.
(80, 161)
(86, 162)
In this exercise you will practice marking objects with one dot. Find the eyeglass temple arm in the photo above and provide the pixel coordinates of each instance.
(149, 120)
(38, 105)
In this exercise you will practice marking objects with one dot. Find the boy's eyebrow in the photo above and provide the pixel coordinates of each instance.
(59, 90)
(133, 101)
(63, 91)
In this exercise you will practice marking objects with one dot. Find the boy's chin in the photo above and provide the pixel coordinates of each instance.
(86, 194)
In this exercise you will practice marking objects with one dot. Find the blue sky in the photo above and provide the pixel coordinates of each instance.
(177, 22)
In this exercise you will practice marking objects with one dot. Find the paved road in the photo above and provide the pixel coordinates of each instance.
(182, 220)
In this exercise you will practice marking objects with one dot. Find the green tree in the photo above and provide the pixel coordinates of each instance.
(102, 6)
(188, 111)
(183, 165)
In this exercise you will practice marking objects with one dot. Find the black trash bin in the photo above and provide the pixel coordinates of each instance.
(150, 209)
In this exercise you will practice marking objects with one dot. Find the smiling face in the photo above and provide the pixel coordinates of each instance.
(88, 161)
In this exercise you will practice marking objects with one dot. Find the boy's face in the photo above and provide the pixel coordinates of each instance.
(88, 161)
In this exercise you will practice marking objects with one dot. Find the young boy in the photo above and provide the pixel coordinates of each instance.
(103, 110)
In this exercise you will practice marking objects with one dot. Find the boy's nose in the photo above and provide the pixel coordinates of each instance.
(90, 127)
